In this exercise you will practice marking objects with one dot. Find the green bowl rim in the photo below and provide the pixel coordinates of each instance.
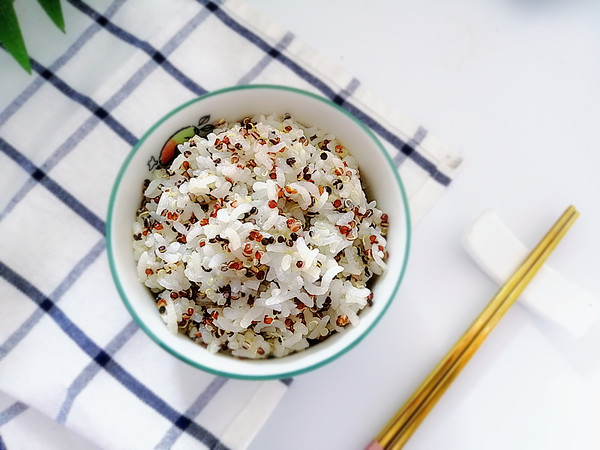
(181, 356)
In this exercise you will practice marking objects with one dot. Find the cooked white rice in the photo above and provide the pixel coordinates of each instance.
(258, 240)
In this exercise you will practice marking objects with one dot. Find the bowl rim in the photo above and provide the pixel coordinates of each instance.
(121, 290)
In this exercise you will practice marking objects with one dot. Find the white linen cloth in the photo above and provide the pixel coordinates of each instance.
(75, 370)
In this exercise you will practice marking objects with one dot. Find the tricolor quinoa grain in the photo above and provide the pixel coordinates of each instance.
(258, 240)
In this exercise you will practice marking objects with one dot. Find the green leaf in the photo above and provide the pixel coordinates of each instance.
(10, 34)
(54, 11)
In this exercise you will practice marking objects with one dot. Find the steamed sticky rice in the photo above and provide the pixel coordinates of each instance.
(258, 240)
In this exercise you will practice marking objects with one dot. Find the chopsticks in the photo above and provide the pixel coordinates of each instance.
(401, 427)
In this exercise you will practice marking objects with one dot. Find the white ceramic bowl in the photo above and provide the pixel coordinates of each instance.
(378, 175)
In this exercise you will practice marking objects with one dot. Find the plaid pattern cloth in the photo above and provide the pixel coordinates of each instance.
(73, 365)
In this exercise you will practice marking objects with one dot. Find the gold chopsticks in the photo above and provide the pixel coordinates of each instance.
(399, 429)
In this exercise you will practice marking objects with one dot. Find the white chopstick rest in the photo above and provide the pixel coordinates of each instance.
(498, 252)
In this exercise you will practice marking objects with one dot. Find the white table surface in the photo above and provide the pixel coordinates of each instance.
(513, 86)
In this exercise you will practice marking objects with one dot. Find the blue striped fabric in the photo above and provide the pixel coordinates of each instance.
(59, 286)
(42, 178)
(11, 412)
(86, 102)
(158, 57)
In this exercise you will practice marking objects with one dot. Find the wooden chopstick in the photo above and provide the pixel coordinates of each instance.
(399, 429)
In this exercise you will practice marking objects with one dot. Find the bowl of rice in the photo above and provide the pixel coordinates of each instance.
(258, 232)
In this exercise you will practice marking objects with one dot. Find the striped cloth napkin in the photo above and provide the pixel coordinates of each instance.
(75, 371)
